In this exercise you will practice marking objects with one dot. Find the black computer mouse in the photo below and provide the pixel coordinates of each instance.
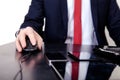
(29, 46)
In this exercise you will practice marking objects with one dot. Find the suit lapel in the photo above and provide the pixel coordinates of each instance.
(94, 10)
(64, 12)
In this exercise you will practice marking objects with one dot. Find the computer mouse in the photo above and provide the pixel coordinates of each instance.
(29, 46)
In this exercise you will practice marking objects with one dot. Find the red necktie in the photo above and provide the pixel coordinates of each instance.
(77, 37)
(77, 22)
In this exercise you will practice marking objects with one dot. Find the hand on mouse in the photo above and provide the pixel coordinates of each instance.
(34, 37)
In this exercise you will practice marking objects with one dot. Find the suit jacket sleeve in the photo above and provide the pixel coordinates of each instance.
(114, 21)
(35, 16)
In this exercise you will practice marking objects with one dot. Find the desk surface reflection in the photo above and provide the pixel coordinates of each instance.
(50, 64)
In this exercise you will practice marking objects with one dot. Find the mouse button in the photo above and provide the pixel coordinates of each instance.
(29, 46)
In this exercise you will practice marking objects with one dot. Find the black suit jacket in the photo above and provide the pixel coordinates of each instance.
(104, 13)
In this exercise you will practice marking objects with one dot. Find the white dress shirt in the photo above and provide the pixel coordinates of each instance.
(88, 36)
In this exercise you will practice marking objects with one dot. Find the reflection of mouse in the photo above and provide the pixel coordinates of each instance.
(29, 46)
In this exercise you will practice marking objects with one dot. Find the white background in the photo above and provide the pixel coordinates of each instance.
(12, 13)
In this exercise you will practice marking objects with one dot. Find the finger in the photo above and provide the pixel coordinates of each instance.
(39, 41)
(39, 44)
(18, 46)
(31, 35)
(32, 39)
(22, 40)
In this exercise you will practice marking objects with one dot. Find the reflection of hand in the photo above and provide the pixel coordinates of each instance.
(30, 59)
(34, 37)
(27, 62)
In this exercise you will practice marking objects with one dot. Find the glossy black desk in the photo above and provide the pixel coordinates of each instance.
(38, 66)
